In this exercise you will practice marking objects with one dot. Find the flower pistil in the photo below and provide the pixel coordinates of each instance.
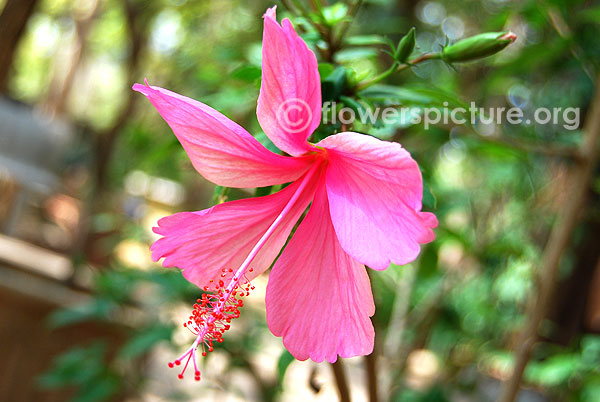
(212, 313)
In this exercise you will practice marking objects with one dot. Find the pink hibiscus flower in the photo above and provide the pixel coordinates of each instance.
(366, 210)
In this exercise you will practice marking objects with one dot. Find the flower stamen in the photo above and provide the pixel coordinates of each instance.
(212, 313)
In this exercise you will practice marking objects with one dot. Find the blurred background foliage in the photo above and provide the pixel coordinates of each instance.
(446, 324)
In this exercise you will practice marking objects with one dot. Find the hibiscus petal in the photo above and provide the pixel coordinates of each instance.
(318, 297)
(375, 191)
(202, 243)
(289, 105)
(221, 150)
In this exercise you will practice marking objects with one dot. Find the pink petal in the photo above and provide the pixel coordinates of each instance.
(319, 298)
(220, 149)
(375, 191)
(289, 105)
(203, 242)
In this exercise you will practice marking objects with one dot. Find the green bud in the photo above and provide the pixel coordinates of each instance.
(478, 46)
(406, 46)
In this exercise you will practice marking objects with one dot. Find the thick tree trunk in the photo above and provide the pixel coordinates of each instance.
(12, 25)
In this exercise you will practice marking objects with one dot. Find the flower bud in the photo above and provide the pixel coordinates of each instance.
(478, 46)
(405, 46)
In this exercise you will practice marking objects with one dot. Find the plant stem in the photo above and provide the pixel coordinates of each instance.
(317, 6)
(396, 67)
(341, 381)
(301, 7)
(559, 241)
(346, 24)
(287, 4)
(371, 366)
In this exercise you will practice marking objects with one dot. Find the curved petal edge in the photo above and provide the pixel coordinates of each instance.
(289, 104)
(322, 308)
(375, 190)
(220, 149)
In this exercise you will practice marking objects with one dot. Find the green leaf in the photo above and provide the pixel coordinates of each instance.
(439, 96)
(325, 69)
(590, 391)
(219, 195)
(145, 340)
(262, 191)
(333, 86)
(86, 369)
(283, 363)
(101, 389)
(497, 151)
(429, 199)
(591, 15)
(266, 142)
(95, 310)
(554, 371)
(412, 96)
(384, 292)
(173, 287)
(77, 366)
(335, 13)
(590, 350)
(352, 104)
(351, 54)
(366, 40)
(247, 73)
(428, 262)
(402, 95)
(116, 285)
